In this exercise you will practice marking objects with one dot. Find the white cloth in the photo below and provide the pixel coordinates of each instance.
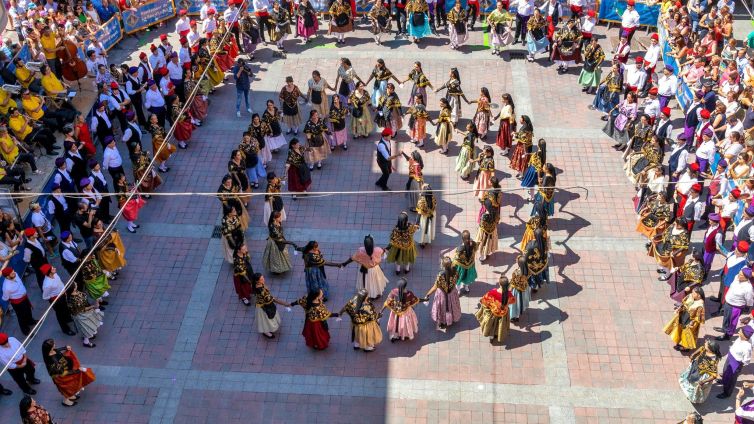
(261, 5)
(728, 209)
(740, 225)
(39, 220)
(740, 294)
(153, 98)
(103, 117)
(525, 7)
(652, 55)
(52, 287)
(12, 354)
(51, 205)
(13, 289)
(182, 24)
(175, 70)
(111, 158)
(27, 251)
(67, 254)
(630, 19)
(683, 158)
(706, 150)
(684, 183)
(740, 350)
(652, 107)
(156, 60)
(231, 15)
(636, 76)
(667, 85)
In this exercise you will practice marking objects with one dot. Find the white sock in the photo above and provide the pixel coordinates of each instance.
(86, 340)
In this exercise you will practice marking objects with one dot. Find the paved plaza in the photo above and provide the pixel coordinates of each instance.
(178, 346)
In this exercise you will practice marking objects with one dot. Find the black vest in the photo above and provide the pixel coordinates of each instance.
(146, 73)
(136, 96)
(78, 170)
(692, 119)
(66, 185)
(60, 212)
(673, 161)
(38, 257)
(380, 159)
(743, 234)
(103, 128)
(69, 266)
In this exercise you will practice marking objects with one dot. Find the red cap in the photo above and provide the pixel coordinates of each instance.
(142, 55)
(187, 66)
(3, 338)
(679, 4)
(694, 166)
(7, 271)
(182, 12)
(639, 59)
(163, 37)
(742, 246)
(152, 47)
(704, 114)
(387, 132)
(631, 3)
(211, 11)
(45, 269)
(666, 111)
(113, 85)
(183, 40)
(591, 13)
(736, 193)
(209, 34)
(655, 37)
(697, 187)
(652, 91)
(163, 70)
(30, 232)
(192, 22)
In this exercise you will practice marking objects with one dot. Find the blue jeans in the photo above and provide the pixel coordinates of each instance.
(245, 94)
(256, 173)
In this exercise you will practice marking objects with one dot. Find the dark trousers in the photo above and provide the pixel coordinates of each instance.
(63, 314)
(27, 158)
(13, 180)
(400, 20)
(440, 14)
(521, 21)
(138, 104)
(179, 89)
(385, 169)
(103, 213)
(264, 25)
(471, 12)
(236, 30)
(23, 375)
(115, 171)
(42, 136)
(23, 314)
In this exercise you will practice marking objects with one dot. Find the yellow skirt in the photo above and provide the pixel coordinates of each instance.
(214, 75)
(684, 336)
(110, 258)
(367, 335)
(493, 326)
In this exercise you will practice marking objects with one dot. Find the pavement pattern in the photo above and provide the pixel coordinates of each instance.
(178, 346)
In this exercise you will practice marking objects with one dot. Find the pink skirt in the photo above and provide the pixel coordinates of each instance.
(406, 327)
(339, 138)
(443, 314)
(482, 183)
(304, 31)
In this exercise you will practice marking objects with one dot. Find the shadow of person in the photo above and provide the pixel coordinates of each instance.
(517, 338)
(502, 261)
(563, 197)
(571, 226)
(449, 210)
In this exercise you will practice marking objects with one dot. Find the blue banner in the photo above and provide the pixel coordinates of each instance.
(23, 54)
(110, 33)
(683, 93)
(611, 11)
(147, 14)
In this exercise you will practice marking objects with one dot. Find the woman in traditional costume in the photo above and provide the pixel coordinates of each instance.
(271, 116)
(275, 257)
(315, 330)
(66, 372)
(273, 201)
(306, 20)
(259, 130)
(591, 71)
(337, 120)
(417, 23)
(420, 83)
(94, 279)
(523, 138)
(454, 94)
(317, 149)
(366, 333)
(486, 236)
(381, 75)
(87, 317)
(370, 275)
(361, 118)
(494, 314)
(402, 323)
(314, 268)
(298, 174)
(501, 30)
(289, 99)
(483, 115)
(464, 259)
(415, 177)
(158, 138)
(670, 248)
(341, 22)
(683, 328)
(251, 160)
(696, 381)
(111, 252)
(467, 156)
(417, 121)
(237, 170)
(379, 16)
(425, 208)
(536, 35)
(444, 126)
(483, 180)
(390, 111)
(267, 316)
(401, 248)
(141, 162)
(446, 305)
(520, 289)
(537, 161)
(232, 232)
(229, 196)
(242, 271)
(457, 30)
(621, 121)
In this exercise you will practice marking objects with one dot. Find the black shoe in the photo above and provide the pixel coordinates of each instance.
(33, 381)
(716, 313)
(104, 302)
(89, 345)
(722, 338)
(714, 299)
(385, 188)
(718, 329)
(27, 180)
(661, 271)
(74, 403)
(70, 333)
(5, 392)
(722, 396)
(664, 278)
(30, 392)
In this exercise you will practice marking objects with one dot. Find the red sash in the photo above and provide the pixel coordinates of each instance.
(19, 300)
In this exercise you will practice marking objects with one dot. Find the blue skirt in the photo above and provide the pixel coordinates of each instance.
(536, 46)
(316, 280)
(378, 92)
(529, 179)
(418, 31)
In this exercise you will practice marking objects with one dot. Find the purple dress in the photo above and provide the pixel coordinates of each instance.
(446, 305)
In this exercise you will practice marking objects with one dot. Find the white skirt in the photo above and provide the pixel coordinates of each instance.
(374, 282)
(89, 322)
(227, 251)
(268, 211)
(265, 155)
(275, 142)
(264, 324)
(426, 235)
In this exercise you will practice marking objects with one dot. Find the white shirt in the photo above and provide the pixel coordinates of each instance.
(697, 205)
(706, 150)
(652, 55)
(578, 3)
(525, 8)
(683, 158)
(660, 122)
(203, 11)
(261, 5)
(209, 24)
(728, 208)
(100, 116)
(175, 71)
(38, 219)
(652, 107)
(111, 158)
(144, 67)
(738, 228)
(52, 286)
(93, 65)
(13, 289)
(27, 251)
(12, 354)
(51, 205)
(684, 183)
(127, 134)
(156, 60)
(718, 236)
(231, 15)
(635, 77)
(153, 98)
(383, 149)
(740, 293)
(667, 85)
(587, 24)
(630, 19)
(164, 86)
(182, 24)
(741, 351)
(112, 104)
(193, 38)
(184, 55)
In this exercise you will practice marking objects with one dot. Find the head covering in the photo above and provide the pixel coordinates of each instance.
(704, 114)
(163, 71)
(109, 138)
(150, 82)
(666, 111)
(130, 114)
(669, 68)
(742, 246)
(387, 132)
(7, 271)
(3, 337)
(55, 187)
(694, 167)
(714, 217)
(45, 269)
(192, 22)
(655, 37)
(211, 11)
(748, 331)
(163, 37)
(591, 13)
(113, 85)
(59, 162)
(652, 91)
(182, 12)
(30, 232)
(736, 193)
(722, 163)
(92, 163)
(152, 47)
(746, 272)
(708, 132)
(696, 187)
(172, 55)
(142, 56)
(84, 182)
(639, 59)
(183, 40)
(631, 3)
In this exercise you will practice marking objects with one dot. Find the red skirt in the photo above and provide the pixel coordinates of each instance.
(243, 290)
(316, 335)
(294, 181)
(223, 61)
(232, 47)
(520, 159)
(183, 130)
(199, 108)
(504, 138)
(71, 384)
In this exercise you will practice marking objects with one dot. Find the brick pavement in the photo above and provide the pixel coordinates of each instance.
(179, 346)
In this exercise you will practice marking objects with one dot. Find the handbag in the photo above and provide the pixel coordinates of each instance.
(417, 19)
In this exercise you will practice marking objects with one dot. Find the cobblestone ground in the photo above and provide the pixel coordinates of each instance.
(177, 346)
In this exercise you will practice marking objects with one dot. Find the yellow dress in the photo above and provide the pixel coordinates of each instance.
(683, 328)
(112, 254)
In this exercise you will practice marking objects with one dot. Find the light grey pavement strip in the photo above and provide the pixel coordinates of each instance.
(165, 406)
(560, 398)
